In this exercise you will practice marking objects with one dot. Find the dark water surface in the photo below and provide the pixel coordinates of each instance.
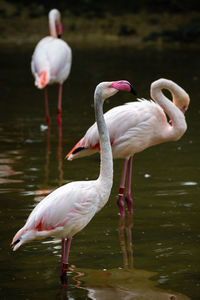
(162, 261)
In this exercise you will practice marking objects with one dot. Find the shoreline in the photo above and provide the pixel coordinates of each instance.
(140, 30)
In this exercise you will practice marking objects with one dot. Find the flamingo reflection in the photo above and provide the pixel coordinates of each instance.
(59, 157)
(44, 191)
(125, 283)
(125, 238)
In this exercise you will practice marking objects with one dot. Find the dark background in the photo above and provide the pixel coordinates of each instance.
(140, 22)
(117, 7)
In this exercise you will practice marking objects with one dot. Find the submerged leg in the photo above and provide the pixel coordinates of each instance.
(128, 197)
(59, 111)
(46, 107)
(64, 259)
(120, 200)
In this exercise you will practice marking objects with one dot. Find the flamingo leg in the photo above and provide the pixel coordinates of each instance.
(46, 107)
(128, 197)
(59, 110)
(120, 200)
(64, 259)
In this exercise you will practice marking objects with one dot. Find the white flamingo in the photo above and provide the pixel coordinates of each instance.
(70, 208)
(51, 62)
(136, 126)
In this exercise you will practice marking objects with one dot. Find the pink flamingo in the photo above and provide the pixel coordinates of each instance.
(51, 62)
(70, 208)
(136, 126)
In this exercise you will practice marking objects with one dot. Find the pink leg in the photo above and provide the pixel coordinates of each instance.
(120, 200)
(64, 260)
(128, 197)
(59, 111)
(46, 107)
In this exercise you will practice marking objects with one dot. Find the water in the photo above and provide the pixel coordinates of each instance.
(155, 254)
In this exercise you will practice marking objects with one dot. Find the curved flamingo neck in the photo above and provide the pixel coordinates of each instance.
(106, 166)
(169, 107)
(55, 26)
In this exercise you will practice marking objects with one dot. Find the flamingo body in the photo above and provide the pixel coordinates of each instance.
(52, 56)
(51, 63)
(62, 213)
(135, 126)
(70, 208)
(137, 130)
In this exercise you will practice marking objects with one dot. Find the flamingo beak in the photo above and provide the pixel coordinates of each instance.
(133, 91)
(59, 30)
(183, 110)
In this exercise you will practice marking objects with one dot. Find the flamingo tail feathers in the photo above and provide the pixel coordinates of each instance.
(41, 80)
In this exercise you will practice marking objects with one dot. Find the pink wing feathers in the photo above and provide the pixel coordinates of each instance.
(52, 215)
(131, 127)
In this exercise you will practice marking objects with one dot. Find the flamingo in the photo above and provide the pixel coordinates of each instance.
(68, 209)
(136, 126)
(51, 62)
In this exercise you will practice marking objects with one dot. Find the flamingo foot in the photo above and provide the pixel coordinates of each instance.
(120, 203)
(63, 274)
(63, 279)
(129, 202)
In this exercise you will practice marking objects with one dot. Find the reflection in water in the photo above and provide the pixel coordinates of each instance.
(77, 276)
(59, 156)
(45, 192)
(7, 160)
(125, 238)
(175, 188)
(48, 151)
(60, 160)
(122, 283)
(127, 283)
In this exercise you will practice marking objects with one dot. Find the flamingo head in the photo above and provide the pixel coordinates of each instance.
(42, 79)
(108, 89)
(59, 29)
(55, 25)
(183, 102)
(179, 96)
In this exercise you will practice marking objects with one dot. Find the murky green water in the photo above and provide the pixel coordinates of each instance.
(156, 255)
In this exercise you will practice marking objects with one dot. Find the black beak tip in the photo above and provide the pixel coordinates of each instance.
(133, 91)
(15, 243)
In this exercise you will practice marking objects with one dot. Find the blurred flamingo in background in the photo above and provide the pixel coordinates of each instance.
(70, 208)
(136, 126)
(51, 62)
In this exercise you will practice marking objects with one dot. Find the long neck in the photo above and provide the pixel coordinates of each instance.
(53, 17)
(106, 167)
(174, 113)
